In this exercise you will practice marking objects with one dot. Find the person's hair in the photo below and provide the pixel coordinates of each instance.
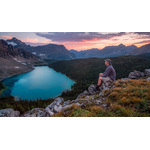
(109, 61)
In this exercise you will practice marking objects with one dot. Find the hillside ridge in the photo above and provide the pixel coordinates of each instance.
(124, 97)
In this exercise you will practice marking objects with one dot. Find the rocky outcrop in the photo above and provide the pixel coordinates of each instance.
(136, 75)
(9, 113)
(36, 112)
(55, 106)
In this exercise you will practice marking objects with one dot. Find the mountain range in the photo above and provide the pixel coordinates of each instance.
(145, 49)
(49, 51)
(59, 52)
(108, 51)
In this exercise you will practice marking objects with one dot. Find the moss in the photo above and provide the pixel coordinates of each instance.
(80, 113)
(97, 96)
(113, 96)
(98, 111)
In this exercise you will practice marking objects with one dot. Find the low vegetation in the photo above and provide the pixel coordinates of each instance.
(127, 99)
(2, 87)
(23, 105)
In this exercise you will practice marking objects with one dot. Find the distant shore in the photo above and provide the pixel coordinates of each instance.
(15, 73)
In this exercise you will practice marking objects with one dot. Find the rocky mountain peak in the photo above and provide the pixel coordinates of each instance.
(121, 45)
(15, 42)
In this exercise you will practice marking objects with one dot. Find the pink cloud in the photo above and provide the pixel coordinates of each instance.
(6, 37)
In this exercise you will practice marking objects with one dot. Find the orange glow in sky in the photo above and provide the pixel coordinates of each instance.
(80, 40)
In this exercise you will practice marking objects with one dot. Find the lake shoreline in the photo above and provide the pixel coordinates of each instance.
(15, 74)
(39, 77)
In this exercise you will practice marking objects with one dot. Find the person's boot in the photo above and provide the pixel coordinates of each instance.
(97, 87)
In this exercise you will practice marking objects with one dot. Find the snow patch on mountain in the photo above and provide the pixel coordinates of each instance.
(11, 43)
(34, 53)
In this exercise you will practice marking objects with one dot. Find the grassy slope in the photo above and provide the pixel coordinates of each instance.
(85, 71)
(127, 99)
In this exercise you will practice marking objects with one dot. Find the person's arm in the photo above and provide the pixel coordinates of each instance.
(107, 72)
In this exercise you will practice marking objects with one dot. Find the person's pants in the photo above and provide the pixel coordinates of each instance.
(106, 79)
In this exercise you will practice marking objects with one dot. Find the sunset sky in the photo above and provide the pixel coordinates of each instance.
(80, 40)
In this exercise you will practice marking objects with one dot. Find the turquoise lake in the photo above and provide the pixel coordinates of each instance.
(43, 82)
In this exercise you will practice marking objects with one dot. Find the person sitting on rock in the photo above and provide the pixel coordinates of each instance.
(108, 76)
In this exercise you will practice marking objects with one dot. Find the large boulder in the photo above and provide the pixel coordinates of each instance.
(136, 75)
(36, 112)
(55, 106)
(9, 112)
(58, 101)
(92, 89)
(105, 85)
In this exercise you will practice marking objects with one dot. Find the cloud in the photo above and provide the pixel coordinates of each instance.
(142, 35)
(78, 36)
(141, 42)
(114, 39)
(35, 41)
(6, 37)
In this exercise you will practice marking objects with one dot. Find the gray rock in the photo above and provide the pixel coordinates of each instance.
(87, 98)
(98, 102)
(77, 104)
(100, 94)
(77, 100)
(57, 108)
(136, 75)
(84, 93)
(9, 112)
(103, 99)
(67, 106)
(36, 112)
(51, 113)
(51, 106)
(148, 79)
(125, 79)
(57, 102)
(92, 89)
(104, 105)
(147, 72)
(66, 102)
(103, 86)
